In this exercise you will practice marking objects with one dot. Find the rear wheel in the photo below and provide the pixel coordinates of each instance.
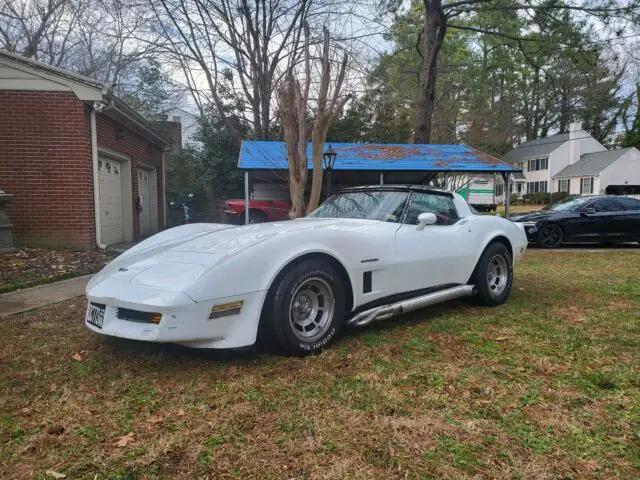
(304, 310)
(550, 236)
(493, 276)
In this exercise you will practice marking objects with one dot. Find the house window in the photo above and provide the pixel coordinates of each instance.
(564, 185)
(586, 185)
(519, 187)
(537, 187)
(544, 163)
(499, 189)
(536, 164)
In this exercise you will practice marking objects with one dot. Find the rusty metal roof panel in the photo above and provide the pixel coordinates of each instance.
(266, 155)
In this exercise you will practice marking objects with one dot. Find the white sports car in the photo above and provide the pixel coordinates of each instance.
(366, 254)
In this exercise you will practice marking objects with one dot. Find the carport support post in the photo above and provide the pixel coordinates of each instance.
(381, 178)
(507, 195)
(246, 197)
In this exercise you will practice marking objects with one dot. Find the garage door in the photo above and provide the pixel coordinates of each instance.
(110, 181)
(144, 190)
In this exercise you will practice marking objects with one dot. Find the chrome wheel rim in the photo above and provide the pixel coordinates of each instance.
(497, 275)
(551, 236)
(311, 309)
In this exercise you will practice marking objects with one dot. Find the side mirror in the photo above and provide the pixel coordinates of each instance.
(425, 219)
(587, 211)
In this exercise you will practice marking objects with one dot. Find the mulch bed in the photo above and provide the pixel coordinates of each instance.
(28, 267)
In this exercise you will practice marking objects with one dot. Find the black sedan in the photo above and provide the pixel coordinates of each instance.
(588, 219)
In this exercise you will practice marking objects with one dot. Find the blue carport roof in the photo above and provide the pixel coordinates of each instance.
(271, 155)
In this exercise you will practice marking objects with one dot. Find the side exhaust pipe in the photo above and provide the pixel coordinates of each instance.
(387, 311)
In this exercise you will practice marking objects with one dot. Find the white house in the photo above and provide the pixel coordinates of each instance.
(188, 125)
(573, 162)
(594, 172)
(541, 160)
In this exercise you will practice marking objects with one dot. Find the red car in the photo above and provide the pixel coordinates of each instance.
(259, 211)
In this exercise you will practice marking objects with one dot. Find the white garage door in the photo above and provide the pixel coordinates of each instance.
(110, 181)
(144, 190)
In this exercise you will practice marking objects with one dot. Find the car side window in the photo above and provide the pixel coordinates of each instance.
(441, 205)
(629, 203)
(606, 205)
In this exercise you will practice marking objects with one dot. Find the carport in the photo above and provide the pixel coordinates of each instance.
(265, 165)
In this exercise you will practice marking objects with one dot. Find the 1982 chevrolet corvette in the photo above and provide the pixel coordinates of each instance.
(366, 254)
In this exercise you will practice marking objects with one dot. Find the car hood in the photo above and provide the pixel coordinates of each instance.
(162, 262)
(230, 241)
(534, 216)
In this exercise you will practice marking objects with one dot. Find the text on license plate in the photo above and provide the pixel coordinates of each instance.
(95, 314)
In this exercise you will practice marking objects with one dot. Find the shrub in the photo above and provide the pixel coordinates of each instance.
(555, 196)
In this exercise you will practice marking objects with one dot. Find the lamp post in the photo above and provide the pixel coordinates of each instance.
(329, 161)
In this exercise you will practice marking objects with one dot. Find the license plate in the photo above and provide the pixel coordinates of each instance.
(95, 314)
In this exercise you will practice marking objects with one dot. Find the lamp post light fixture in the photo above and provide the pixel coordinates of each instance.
(329, 161)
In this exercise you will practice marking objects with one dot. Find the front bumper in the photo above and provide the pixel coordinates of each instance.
(183, 320)
(531, 231)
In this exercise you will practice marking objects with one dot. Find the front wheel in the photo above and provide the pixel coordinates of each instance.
(493, 276)
(550, 236)
(305, 310)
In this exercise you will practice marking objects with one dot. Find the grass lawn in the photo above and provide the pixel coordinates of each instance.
(546, 386)
(519, 208)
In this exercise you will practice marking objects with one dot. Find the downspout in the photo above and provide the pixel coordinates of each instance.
(96, 182)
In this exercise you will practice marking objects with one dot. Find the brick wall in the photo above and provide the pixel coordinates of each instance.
(136, 147)
(45, 161)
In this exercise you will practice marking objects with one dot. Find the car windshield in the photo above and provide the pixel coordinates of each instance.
(374, 205)
(569, 204)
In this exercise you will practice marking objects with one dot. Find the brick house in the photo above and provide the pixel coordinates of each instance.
(84, 167)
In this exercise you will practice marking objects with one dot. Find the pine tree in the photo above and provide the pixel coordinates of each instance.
(632, 138)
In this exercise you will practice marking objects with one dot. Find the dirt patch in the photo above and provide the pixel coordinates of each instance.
(27, 267)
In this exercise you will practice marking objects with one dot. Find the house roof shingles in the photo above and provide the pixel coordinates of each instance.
(540, 146)
(591, 164)
(536, 148)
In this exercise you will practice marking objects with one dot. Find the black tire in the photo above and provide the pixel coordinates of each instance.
(256, 216)
(493, 290)
(550, 236)
(281, 331)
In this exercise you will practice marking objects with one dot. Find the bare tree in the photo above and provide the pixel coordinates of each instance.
(293, 106)
(293, 101)
(95, 38)
(34, 28)
(235, 49)
(329, 106)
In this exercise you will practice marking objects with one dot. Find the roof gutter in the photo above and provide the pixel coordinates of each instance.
(132, 116)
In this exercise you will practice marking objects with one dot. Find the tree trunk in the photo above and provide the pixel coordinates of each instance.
(435, 28)
(318, 136)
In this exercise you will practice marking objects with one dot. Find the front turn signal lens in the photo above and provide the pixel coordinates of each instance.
(155, 318)
(225, 309)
